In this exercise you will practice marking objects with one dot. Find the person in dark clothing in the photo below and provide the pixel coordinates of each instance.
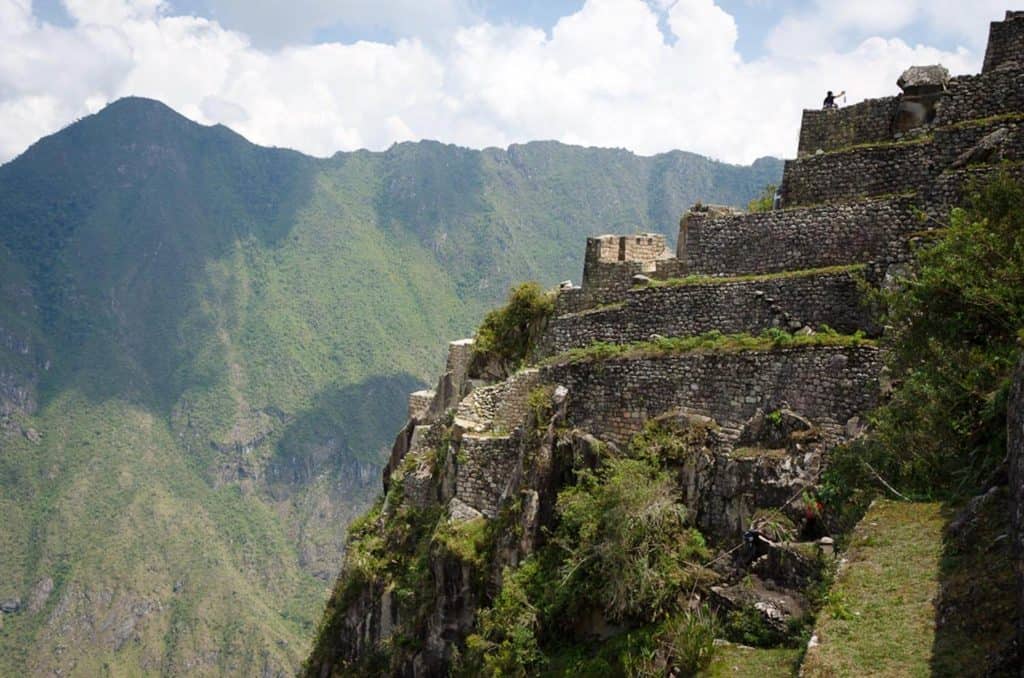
(830, 100)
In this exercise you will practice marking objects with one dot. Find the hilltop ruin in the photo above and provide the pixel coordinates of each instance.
(785, 369)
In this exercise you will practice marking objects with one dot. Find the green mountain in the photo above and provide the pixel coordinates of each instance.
(205, 346)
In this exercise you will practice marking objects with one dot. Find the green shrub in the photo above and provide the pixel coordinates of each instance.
(682, 645)
(748, 626)
(508, 335)
(628, 549)
(506, 644)
(662, 441)
(953, 345)
(764, 201)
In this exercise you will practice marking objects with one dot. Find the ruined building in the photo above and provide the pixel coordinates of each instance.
(869, 181)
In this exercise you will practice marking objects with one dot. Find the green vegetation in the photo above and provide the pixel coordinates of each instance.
(764, 201)
(872, 145)
(622, 553)
(880, 612)
(627, 548)
(709, 342)
(741, 661)
(983, 122)
(222, 338)
(760, 277)
(509, 334)
(953, 345)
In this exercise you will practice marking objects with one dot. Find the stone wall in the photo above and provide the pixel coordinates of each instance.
(1005, 42)
(892, 168)
(857, 173)
(1015, 436)
(869, 121)
(419, 403)
(606, 282)
(681, 310)
(794, 239)
(954, 141)
(949, 187)
(970, 97)
(485, 464)
(828, 385)
(640, 247)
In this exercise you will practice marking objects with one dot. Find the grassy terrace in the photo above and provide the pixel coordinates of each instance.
(710, 342)
(755, 277)
(831, 203)
(879, 618)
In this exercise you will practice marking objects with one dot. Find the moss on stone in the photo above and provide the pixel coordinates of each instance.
(709, 342)
(717, 280)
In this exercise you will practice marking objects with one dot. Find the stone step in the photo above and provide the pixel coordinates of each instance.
(688, 307)
(828, 385)
(498, 407)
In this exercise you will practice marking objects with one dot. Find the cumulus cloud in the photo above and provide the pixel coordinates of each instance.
(648, 76)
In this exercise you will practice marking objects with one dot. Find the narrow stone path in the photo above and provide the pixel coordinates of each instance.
(879, 617)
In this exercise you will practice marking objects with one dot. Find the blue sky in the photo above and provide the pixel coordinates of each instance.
(755, 19)
(725, 78)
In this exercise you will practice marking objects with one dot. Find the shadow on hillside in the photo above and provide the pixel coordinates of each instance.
(349, 432)
(976, 608)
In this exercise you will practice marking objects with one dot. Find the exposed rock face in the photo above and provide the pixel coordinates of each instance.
(1016, 458)
(989, 149)
(40, 594)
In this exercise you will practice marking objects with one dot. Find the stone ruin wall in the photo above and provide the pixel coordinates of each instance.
(970, 97)
(833, 299)
(1005, 42)
(614, 398)
(967, 97)
(869, 121)
(485, 465)
(890, 168)
(789, 240)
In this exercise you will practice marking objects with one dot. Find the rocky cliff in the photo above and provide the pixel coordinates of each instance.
(729, 367)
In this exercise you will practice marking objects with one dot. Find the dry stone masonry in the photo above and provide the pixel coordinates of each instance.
(828, 385)
(869, 179)
(831, 298)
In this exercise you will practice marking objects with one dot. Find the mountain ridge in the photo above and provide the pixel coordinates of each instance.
(204, 344)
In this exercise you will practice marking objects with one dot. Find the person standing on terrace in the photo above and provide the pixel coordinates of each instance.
(830, 100)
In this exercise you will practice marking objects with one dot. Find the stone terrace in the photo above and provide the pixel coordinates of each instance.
(829, 297)
(827, 384)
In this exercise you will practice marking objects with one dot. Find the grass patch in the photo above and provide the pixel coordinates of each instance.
(879, 617)
(916, 141)
(742, 661)
(709, 342)
(981, 122)
(755, 277)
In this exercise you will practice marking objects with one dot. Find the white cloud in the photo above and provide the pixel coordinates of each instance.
(278, 23)
(605, 75)
(827, 23)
